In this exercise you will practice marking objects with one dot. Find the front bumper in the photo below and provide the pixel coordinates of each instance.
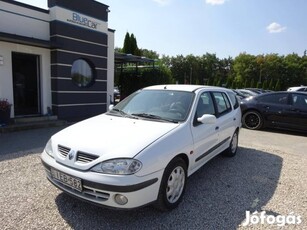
(101, 189)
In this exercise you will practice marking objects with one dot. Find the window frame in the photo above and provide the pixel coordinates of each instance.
(226, 98)
(91, 67)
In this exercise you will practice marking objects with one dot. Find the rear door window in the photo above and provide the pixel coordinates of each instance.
(279, 98)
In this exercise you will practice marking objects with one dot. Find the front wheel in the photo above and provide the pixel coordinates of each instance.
(252, 120)
(172, 185)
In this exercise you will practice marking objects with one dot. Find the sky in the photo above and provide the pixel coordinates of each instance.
(223, 27)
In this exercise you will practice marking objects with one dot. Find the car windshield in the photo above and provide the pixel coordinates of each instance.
(159, 105)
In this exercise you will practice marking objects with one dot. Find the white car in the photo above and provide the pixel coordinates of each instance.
(298, 88)
(144, 148)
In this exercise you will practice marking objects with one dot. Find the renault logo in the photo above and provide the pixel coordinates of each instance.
(71, 154)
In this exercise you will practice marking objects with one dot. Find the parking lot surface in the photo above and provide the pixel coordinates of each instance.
(268, 173)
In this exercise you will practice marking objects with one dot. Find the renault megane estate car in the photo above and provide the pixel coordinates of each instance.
(142, 150)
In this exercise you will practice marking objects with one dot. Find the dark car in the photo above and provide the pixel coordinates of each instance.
(286, 110)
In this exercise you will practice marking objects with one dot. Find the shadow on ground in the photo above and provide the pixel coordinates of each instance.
(284, 131)
(18, 144)
(217, 197)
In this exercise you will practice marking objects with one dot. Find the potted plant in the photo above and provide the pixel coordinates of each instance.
(5, 111)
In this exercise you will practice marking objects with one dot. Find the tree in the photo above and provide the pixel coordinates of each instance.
(277, 86)
(130, 45)
(271, 85)
(265, 84)
(245, 67)
(150, 54)
(127, 44)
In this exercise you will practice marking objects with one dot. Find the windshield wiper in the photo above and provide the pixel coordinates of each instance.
(123, 114)
(153, 117)
(119, 111)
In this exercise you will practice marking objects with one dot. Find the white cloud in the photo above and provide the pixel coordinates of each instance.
(274, 27)
(163, 2)
(215, 2)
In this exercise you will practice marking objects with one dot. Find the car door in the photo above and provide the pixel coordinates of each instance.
(297, 112)
(274, 108)
(205, 136)
(226, 118)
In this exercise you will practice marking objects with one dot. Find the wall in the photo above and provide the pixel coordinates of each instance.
(6, 80)
(111, 67)
(25, 21)
(79, 31)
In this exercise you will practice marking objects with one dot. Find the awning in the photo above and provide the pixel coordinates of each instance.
(13, 38)
(121, 58)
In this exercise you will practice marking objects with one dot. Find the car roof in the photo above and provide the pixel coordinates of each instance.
(181, 87)
(278, 92)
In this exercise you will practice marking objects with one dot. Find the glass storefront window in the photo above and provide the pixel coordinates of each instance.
(82, 73)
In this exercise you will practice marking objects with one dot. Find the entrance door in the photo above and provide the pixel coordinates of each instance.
(26, 84)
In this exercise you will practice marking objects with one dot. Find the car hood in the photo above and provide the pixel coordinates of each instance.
(112, 137)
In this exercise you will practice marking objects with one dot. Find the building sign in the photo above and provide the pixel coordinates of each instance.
(78, 19)
(83, 21)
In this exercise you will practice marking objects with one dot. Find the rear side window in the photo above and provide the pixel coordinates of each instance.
(222, 103)
(299, 101)
(280, 98)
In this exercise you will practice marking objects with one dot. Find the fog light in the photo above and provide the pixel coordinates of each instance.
(120, 199)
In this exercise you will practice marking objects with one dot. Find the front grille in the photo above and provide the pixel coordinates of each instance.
(95, 194)
(84, 158)
(63, 150)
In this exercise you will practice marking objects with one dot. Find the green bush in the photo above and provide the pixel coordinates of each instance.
(130, 80)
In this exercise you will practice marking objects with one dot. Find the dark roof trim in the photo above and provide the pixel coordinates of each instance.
(13, 38)
(89, 8)
(121, 58)
(111, 30)
(26, 6)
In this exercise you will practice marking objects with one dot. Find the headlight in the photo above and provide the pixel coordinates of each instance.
(48, 148)
(118, 166)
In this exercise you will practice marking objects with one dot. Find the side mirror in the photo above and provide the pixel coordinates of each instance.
(207, 119)
(111, 107)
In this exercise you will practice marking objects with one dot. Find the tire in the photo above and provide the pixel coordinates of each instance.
(231, 151)
(172, 186)
(252, 120)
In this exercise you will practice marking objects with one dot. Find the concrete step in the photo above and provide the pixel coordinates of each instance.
(24, 120)
(27, 123)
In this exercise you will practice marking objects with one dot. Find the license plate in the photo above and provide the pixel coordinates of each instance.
(68, 180)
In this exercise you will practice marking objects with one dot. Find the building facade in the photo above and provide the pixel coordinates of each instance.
(58, 61)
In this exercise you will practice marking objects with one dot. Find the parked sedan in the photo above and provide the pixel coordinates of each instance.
(144, 148)
(287, 110)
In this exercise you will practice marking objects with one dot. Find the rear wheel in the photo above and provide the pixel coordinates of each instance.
(172, 185)
(233, 146)
(252, 120)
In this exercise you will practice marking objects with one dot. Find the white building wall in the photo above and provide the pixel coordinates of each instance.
(110, 81)
(6, 79)
(24, 21)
